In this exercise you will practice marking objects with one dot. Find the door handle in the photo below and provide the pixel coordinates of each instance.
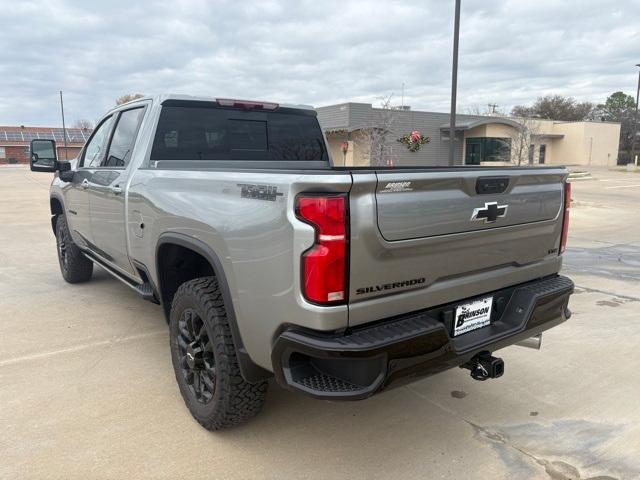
(85, 183)
(116, 190)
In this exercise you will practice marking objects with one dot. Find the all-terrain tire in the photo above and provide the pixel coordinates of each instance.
(75, 267)
(232, 400)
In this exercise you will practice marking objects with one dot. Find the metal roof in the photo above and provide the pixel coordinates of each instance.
(26, 134)
(469, 124)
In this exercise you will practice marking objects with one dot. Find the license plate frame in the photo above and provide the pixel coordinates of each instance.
(472, 315)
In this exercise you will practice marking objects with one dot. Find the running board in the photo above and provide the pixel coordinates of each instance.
(145, 290)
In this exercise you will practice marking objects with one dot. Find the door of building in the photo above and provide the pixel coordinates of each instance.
(543, 153)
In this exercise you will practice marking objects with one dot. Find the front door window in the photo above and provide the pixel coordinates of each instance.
(95, 149)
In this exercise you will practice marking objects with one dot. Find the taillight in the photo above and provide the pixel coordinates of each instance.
(324, 265)
(565, 218)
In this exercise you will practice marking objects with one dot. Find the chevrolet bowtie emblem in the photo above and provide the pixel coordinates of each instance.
(489, 213)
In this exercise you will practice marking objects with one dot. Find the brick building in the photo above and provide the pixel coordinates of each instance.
(14, 142)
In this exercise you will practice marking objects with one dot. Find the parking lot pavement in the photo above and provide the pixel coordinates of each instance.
(87, 388)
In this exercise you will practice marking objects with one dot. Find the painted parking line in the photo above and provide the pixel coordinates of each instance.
(623, 186)
(623, 180)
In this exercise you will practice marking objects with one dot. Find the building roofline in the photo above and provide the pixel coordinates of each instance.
(345, 103)
(19, 127)
(17, 143)
(479, 122)
(463, 116)
(566, 121)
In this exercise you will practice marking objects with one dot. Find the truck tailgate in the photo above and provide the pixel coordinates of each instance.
(435, 236)
(442, 203)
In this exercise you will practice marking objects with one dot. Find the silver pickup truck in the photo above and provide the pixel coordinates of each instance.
(269, 261)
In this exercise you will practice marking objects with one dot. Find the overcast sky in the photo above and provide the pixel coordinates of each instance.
(315, 52)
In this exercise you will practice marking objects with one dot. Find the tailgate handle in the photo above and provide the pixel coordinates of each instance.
(491, 185)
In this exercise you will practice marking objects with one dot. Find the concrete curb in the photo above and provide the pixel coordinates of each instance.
(580, 175)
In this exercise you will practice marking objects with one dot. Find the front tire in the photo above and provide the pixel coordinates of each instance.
(75, 267)
(204, 358)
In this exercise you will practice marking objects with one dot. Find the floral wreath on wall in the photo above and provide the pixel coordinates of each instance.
(414, 140)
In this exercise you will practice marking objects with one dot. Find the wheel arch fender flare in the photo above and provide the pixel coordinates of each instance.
(251, 372)
(55, 198)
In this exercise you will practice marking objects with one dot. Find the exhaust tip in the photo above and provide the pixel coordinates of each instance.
(534, 342)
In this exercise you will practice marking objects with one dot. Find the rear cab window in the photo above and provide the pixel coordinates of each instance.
(197, 131)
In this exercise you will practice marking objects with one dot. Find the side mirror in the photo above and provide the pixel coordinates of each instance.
(65, 172)
(43, 156)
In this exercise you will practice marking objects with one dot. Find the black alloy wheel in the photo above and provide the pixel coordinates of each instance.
(205, 361)
(74, 265)
(62, 250)
(197, 362)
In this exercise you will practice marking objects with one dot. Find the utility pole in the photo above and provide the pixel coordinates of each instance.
(493, 107)
(634, 139)
(454, 84)
(64, 128)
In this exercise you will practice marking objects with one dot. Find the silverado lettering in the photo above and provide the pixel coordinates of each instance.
(391, 286)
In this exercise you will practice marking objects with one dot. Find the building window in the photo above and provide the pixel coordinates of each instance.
(3, 153)
(543, 153)
(487, 149)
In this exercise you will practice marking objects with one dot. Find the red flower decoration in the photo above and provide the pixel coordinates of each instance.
(414, 140)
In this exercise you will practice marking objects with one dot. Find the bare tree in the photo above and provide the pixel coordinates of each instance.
(84, 124)
(373, 138)
(128, 97)
(556, 107)
(491, 109)
(521, 140)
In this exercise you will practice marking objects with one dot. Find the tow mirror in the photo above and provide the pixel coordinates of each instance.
(43, 156)
(64, 171)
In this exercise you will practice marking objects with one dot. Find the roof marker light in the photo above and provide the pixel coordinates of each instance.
(246, 104)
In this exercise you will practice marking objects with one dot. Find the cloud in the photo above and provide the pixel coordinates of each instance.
(313, 52)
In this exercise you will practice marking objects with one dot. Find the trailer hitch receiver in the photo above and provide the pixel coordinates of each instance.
(484, 366)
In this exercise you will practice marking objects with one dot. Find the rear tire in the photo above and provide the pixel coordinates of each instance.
(204, 358)
(75, 267)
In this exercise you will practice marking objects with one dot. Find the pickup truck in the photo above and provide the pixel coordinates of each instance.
(270, 261)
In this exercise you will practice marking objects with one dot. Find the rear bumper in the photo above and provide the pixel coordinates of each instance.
(357, 364)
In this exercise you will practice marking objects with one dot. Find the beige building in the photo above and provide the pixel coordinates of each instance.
(351, 129)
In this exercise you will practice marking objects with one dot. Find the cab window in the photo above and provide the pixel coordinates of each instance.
(124, 137)
(95, 149)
